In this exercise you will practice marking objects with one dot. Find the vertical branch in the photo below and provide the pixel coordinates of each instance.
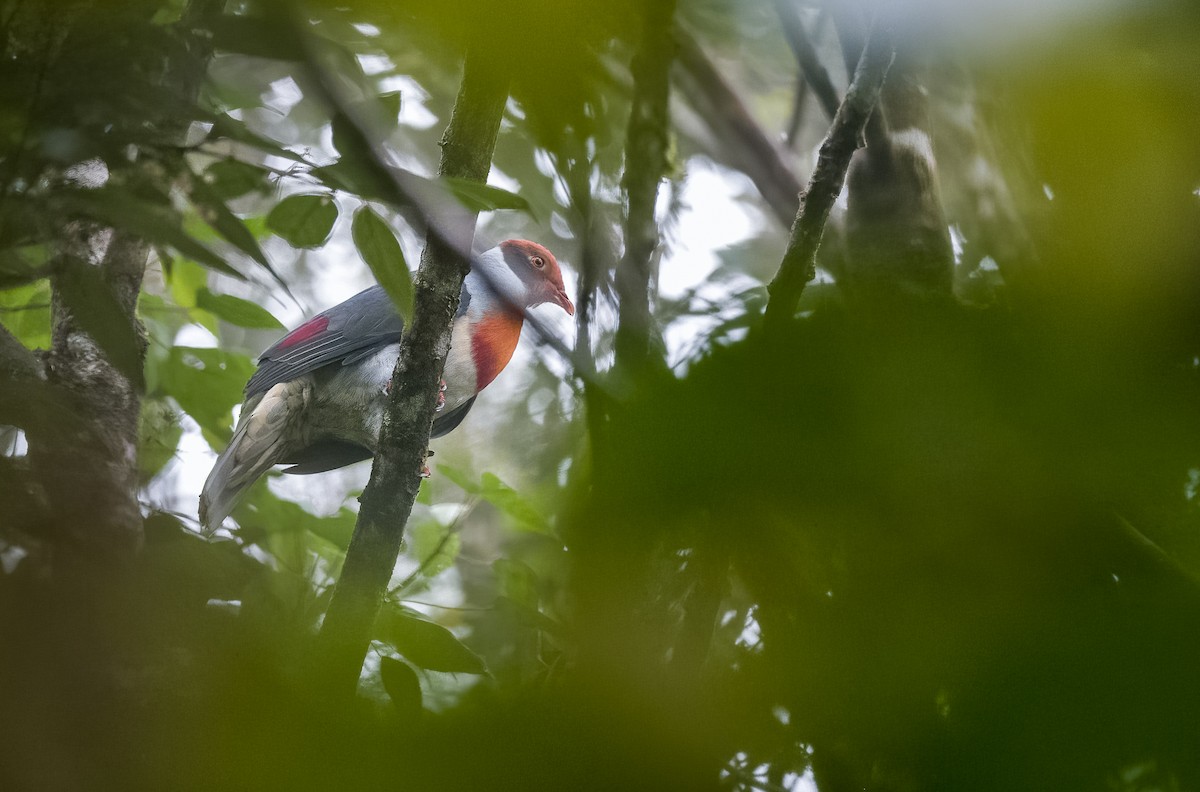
(387, 501)
(645, 166)
(799, 264)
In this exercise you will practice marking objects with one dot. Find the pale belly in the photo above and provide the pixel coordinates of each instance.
(348, 401)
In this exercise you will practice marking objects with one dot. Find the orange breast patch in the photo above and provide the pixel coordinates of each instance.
(493, 341)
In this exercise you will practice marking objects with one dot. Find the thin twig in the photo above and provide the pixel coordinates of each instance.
(645, 167)
(815, 74)
(799, 263)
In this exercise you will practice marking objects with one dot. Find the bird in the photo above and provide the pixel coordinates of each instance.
(317, 398)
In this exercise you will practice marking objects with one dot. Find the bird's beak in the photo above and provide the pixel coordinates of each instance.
(561, 299)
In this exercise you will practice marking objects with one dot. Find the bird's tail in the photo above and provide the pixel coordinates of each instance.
(260, 442)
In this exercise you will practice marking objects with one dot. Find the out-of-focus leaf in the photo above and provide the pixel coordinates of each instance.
(192, 567)
(257, 36)
(83, 289)
(186, 280)
(230, 178)
(26, 313)
(379, 248)
(207, 383)
(517, 581)
(264, 513)
(305, 221)
(503, 497)
(391, 104)
(20, 266)
(237, 311)
(154, 222)
(361, 178)
(402, 686)
(435, 546)
(226, 126)
(529, 616)
(425, 644)
(158, 438)
(485, 197)
(229, 225)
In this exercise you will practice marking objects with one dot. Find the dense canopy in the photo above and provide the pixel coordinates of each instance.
(868, 459)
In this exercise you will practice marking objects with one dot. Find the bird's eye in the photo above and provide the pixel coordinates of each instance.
(538, 262)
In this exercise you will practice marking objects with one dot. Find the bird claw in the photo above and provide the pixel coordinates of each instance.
(441, 399)
(425, 472)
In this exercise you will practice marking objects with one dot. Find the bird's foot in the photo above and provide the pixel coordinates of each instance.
(441, 400)
(425, 472)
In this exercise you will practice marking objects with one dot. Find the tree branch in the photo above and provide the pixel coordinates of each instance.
(17, 362)
(645, 167)
(806, 56)
(27, 400)
(747, 147)
(799, 263)
(387, 501)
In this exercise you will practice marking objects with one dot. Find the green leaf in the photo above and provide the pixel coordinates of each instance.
(214, 211)
(158, 438)
(230, 178)
(484, 197)
(186, 279)
(427, 645)
(517, 581)
(402, 686)
(525, 516)
(207, 384)
(237, 311)
(529, 616)
(264, 513)
(305, 221)
(361, 177)
(27, 313)
(379, 248)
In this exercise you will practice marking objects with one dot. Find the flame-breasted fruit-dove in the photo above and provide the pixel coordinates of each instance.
(317, 400)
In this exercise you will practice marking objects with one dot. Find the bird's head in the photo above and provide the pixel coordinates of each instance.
(525, 274)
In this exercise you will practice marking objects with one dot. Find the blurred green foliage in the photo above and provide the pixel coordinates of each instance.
(904, 547)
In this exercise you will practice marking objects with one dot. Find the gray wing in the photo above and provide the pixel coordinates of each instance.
(346, 332)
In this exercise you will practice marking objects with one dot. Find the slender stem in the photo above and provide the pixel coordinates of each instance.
(799, 263)
(811, 67)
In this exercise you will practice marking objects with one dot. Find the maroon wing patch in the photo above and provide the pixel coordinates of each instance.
(313, 327)
(343, 334)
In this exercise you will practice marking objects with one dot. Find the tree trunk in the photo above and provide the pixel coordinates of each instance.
(387, 501)
(645, 166)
